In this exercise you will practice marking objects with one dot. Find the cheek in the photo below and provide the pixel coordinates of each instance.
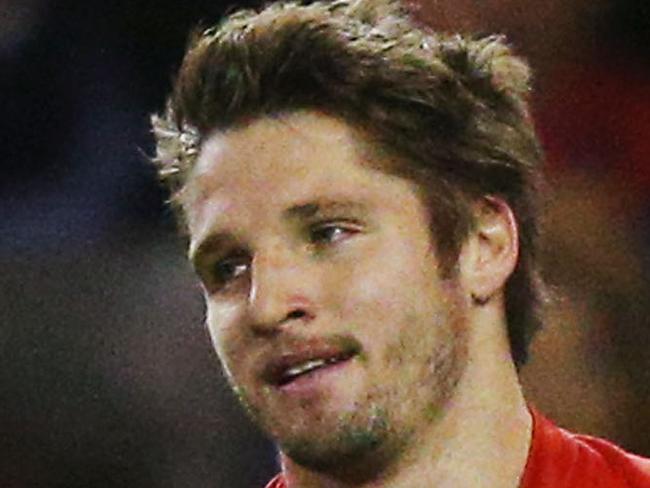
(378, 293)
(364, 292)
(222, 320)
(386, 274)
(395, 304)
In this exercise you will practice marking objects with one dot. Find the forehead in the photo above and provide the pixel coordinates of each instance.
(306, 142)
(277, 162)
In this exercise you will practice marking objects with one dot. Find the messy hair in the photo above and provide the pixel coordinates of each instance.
(453, 108)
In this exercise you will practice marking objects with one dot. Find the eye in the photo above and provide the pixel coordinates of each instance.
(229, 269)
(328, 233)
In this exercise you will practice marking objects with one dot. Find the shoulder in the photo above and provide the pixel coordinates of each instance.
(559, 458)
(634, 469)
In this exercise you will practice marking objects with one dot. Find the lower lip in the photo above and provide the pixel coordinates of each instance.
(315, 380)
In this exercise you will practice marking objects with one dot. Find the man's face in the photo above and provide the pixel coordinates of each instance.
(324, 297)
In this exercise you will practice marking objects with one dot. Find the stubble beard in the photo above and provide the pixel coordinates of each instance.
(387, 423)
(317, 441)
(356, 438)
(360, 444)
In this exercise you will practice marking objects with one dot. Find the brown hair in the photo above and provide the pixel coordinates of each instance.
(453, 108)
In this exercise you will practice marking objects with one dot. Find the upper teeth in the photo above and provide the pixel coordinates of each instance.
(308, 366)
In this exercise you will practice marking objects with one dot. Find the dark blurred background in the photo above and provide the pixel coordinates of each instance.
(107, 377)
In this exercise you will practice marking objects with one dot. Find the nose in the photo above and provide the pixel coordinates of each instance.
(280, 294)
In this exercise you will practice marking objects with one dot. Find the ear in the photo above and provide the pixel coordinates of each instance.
(489, 255)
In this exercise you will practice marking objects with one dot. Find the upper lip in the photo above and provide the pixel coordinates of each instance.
(276, 368)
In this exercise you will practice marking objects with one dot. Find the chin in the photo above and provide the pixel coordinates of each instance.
(331, 450)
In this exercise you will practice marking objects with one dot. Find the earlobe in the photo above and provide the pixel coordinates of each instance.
(491, 251)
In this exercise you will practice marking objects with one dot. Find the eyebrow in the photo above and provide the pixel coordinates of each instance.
(322, 206)
(313, 209)
(210, 244)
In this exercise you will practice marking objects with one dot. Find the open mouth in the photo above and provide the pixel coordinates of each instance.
(305, 359)
(310, 366)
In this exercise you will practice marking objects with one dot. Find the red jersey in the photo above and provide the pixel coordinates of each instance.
(560, 459)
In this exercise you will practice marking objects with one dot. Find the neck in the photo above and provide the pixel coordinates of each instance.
(481, 440)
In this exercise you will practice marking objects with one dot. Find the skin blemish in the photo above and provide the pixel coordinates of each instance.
(347, 343)
(432, 412)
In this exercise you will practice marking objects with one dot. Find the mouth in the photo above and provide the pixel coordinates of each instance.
(308, 367)
(305, 361)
